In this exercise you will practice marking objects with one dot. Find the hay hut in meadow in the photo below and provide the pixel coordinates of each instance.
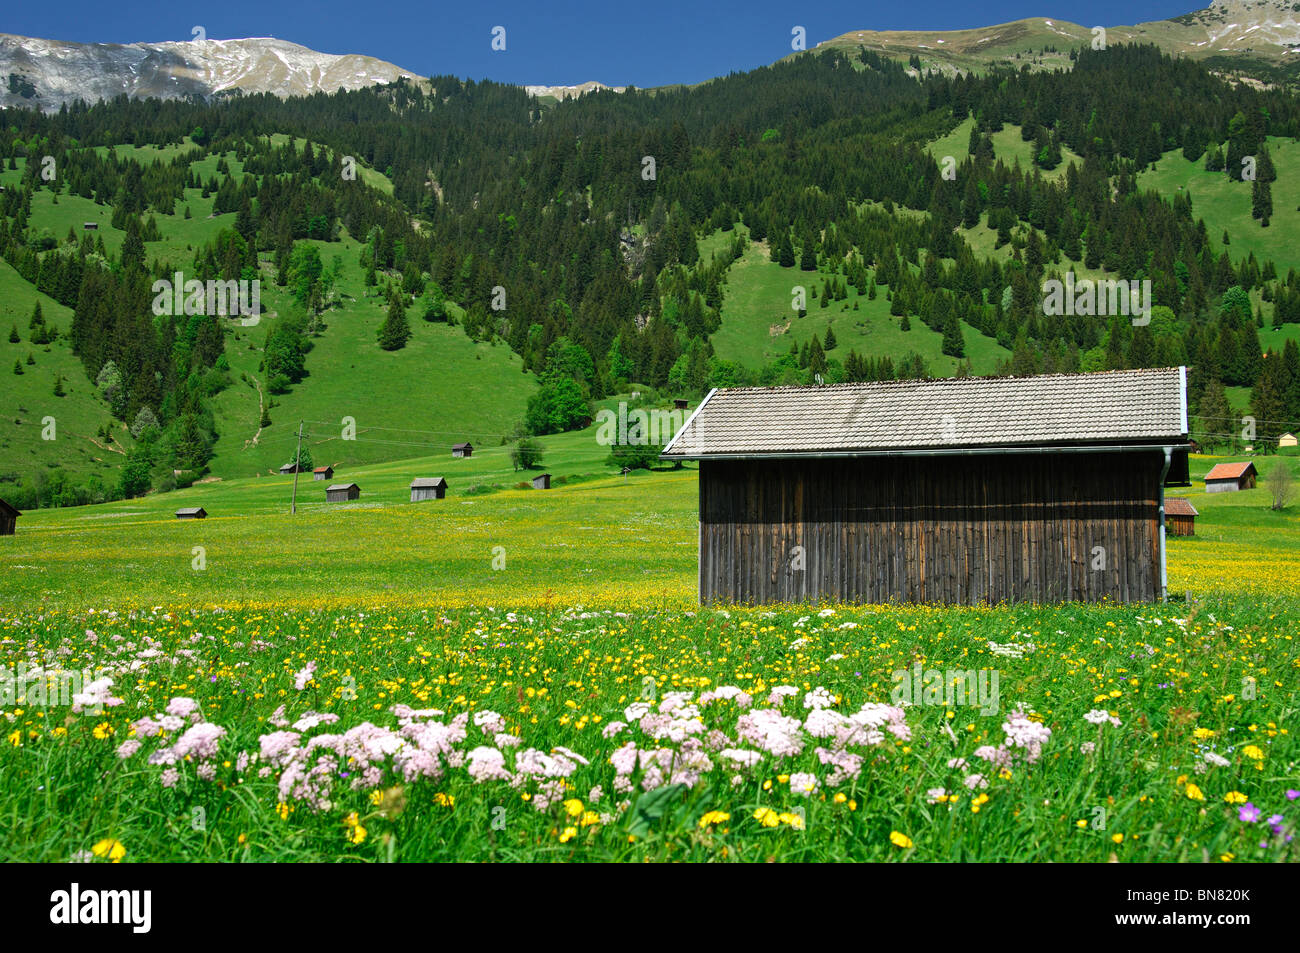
(542, 481)
(323, 473)
(428, 488)
(8, 519)
(960, 490)
(462, 450)
(342, 492)
(1180, 516)
(191, 513)
(1230, 477)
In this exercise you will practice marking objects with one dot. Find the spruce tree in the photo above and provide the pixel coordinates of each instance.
(395, 331)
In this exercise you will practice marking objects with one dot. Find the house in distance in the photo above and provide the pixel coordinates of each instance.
(462, 450)
(8, 519)
(1230, 477)
(192, 513)
(323, 473)
(959, 490)
(428, 488)
(293, 467)
(542, 481)
(1287, 439)
(1180, 516)
(342, 492)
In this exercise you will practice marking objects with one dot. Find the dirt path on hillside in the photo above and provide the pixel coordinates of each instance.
(106, 448)
(261, 409)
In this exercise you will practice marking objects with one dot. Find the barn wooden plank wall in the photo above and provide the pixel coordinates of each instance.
(957, 529)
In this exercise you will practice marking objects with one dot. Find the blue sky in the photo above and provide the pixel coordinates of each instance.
(639, 42)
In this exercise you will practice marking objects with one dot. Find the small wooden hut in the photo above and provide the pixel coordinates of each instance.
(428, 488)
(542, 481)
(8, 519)
(342, 492)
(1230, 477)
(1180, 516)
(462, 450)
(192, 513)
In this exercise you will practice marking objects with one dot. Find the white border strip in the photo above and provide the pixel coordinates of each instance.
(689, 421)
(1182, 396)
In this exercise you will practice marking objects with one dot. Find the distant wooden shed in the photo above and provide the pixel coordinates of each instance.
(1230, 477)
(90, 226)
(192, 513)
(1288, 440)
(8, 519)
(960, 490)
(462, 450)
(1180, 516)
(292, 467)
(323, 473)
(428, 488)
(542, 481)
(681, 403)
(342, 492)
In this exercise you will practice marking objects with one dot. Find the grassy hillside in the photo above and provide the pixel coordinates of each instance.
(759, 325)
(441, 384)
(1008, 145)
(1225, 204)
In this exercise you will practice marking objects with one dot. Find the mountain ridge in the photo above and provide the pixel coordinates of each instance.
(1258, 35)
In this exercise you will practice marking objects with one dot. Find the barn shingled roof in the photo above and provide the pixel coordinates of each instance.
(424, 483)
(1114, 407)
(1229, 471)
(1179, 506)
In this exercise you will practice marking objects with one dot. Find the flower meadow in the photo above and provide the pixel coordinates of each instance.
(281, 733)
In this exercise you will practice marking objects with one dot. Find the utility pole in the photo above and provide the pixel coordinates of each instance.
(297, 465)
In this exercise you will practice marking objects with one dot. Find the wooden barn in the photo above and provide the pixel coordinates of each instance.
(292, 467)
(192, 513)
(462, 450)
(323, 473)
(8, 519)
(1180, 516)
(1230, 477)
(342, 492)
(681, 403)
(963, 490)
(428, 488)
(90, 226)
(1287, 439)
(542, 481)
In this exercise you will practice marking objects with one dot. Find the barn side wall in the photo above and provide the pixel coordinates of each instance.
(931, 529)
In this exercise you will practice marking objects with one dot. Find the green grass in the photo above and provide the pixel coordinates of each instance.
(26, 400)
(1007, 146)
(1225, 204)
(757, 302)
(588, 610)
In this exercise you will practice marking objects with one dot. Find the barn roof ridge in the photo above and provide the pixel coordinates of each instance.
(949, 381)
(1106, 409)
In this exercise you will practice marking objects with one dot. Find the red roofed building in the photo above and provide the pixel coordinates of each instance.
(1180, 516)
(1230, 477)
